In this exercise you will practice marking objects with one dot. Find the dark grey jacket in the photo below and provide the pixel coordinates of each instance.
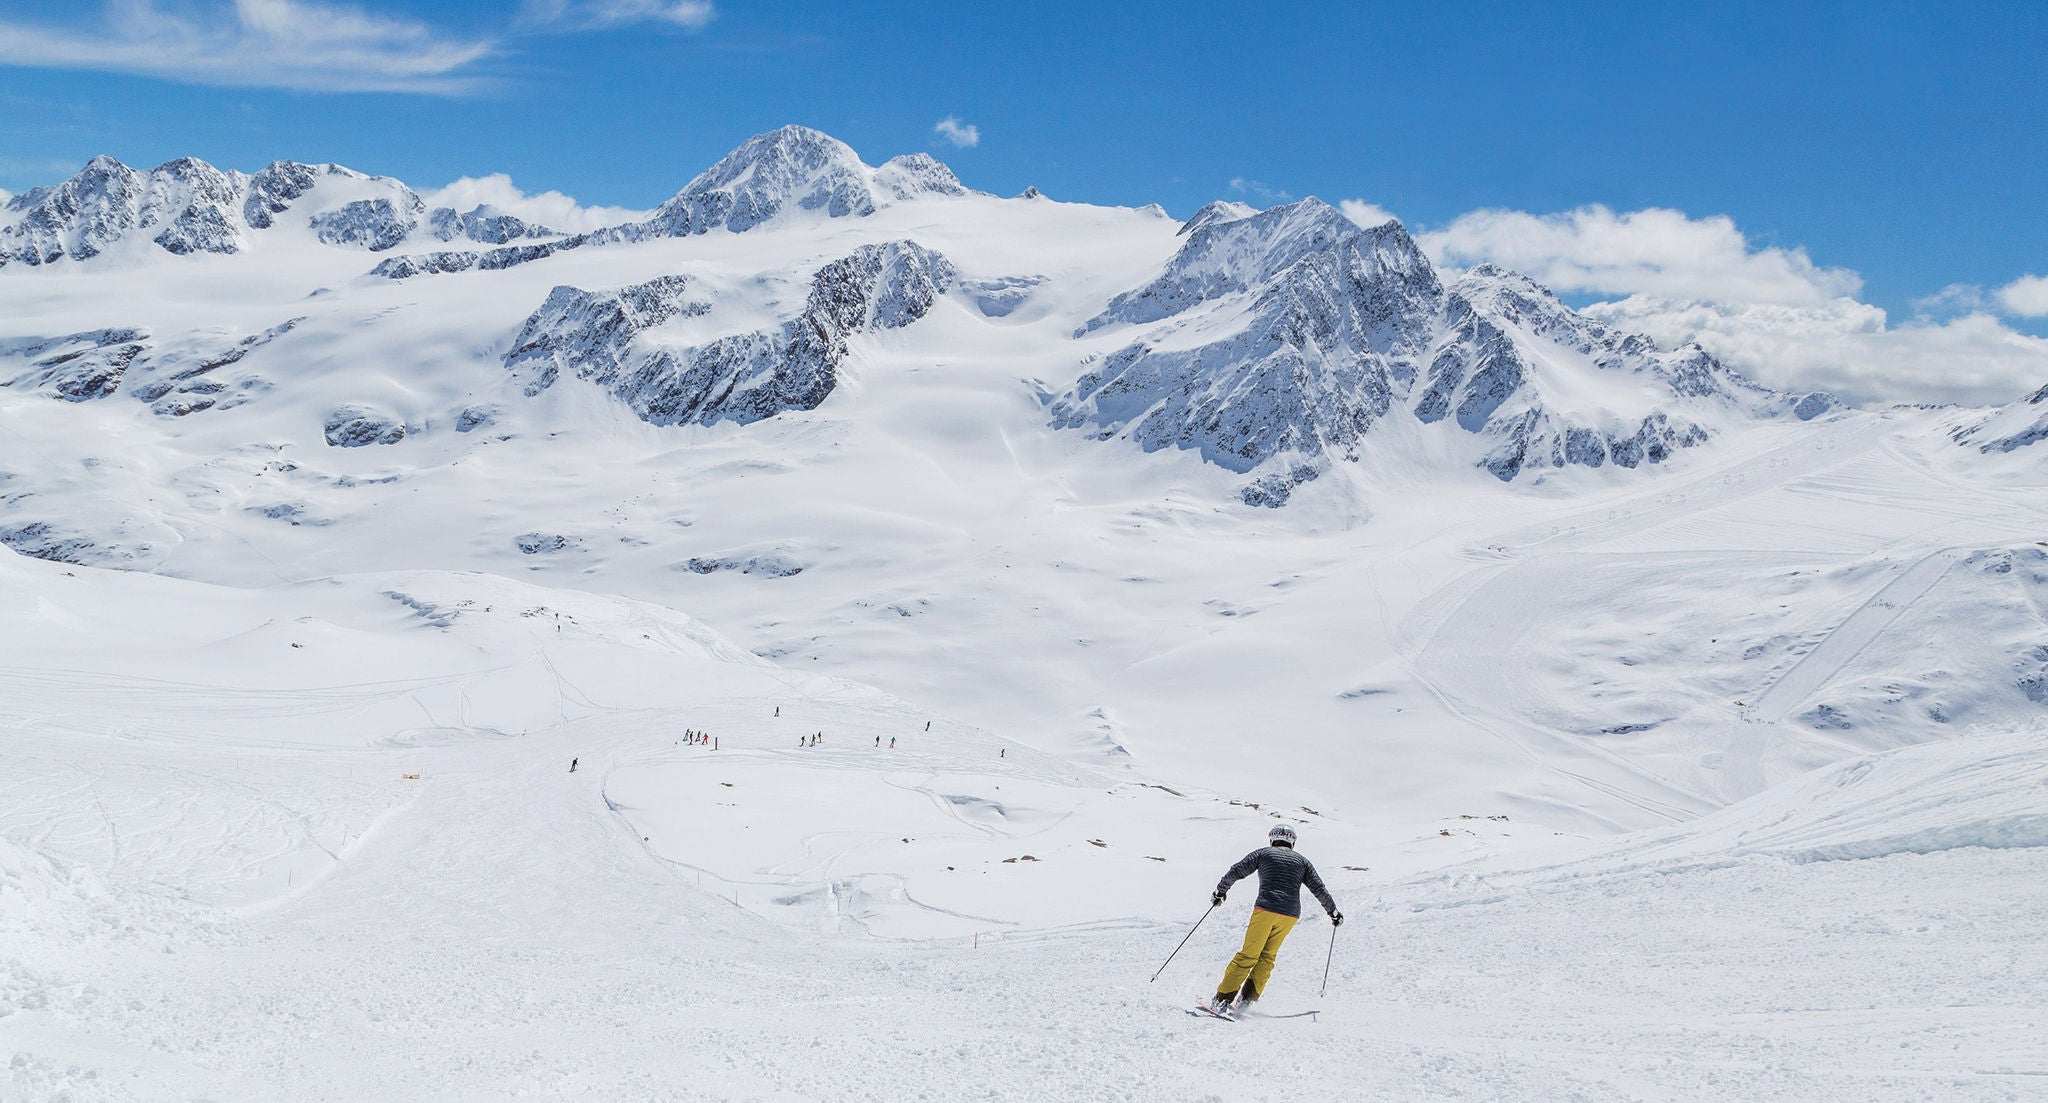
(1281, 872)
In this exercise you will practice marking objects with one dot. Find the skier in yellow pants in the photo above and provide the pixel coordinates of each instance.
(1282, 873)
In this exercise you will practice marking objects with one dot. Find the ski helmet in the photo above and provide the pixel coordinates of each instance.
(1281, 833)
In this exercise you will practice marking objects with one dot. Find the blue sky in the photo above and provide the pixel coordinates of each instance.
(1797, 155)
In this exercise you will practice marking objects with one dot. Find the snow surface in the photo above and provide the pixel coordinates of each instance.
(1714, 779)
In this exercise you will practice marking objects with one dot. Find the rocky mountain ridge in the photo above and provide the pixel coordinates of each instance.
(1279, 339)
(187, 206)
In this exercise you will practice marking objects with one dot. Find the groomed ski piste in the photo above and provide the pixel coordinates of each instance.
(321, 841)
(1716, 779)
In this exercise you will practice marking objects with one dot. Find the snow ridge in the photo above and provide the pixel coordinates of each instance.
(2008, 428)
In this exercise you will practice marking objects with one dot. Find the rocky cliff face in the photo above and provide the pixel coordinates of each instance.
(612, 339)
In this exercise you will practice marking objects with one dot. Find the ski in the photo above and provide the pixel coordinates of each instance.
(1211, 1014)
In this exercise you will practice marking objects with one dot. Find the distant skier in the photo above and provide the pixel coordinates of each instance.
(778, 710)
(572, 765)
(927, 725)
(1281, 872)
(878, 741)
(892, 742)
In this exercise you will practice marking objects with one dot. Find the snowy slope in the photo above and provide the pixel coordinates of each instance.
(359, 867)
(2008, 428)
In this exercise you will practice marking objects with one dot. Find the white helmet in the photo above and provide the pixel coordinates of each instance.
(1281, 833)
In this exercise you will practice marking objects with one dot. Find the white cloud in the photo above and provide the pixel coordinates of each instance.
(584, 15)
(299, 44)
(1655, 251)
(2026, 296)
(1366, 214)
(1847, 347)
(962, 135)
(549, 208)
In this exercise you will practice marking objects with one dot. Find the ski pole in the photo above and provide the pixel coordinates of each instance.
(1183, 942)
(1326, 962)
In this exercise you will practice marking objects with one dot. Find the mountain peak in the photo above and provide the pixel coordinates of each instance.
(794, 168)
(1224, 255)
(913, 174)
(1221, 210)
(779, 157)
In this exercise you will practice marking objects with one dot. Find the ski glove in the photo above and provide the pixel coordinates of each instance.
(1216, 899)
(1336, 919)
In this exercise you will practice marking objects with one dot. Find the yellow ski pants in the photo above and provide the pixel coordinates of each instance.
(1262, 939)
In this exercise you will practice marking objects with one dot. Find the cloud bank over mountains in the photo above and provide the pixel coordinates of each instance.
(549, 208)
(1771, 311)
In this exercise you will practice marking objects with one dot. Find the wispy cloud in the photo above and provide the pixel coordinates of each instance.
(296, 44)
(586, 15)
(1258, 190)
(962, 135)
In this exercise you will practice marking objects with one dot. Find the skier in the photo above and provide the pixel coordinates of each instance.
(572, 765)
(778, 711)
(1281, 872)
(892, 742)
(927, 725)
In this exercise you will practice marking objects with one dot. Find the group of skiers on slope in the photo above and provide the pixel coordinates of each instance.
(1282, 873)
(816, 738)
(696, 738)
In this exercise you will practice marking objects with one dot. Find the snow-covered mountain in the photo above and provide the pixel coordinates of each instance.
(2007, 428)
(903, 404)
(794, 170)
(1286, 335)
(1270, 343)
(188, 206)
